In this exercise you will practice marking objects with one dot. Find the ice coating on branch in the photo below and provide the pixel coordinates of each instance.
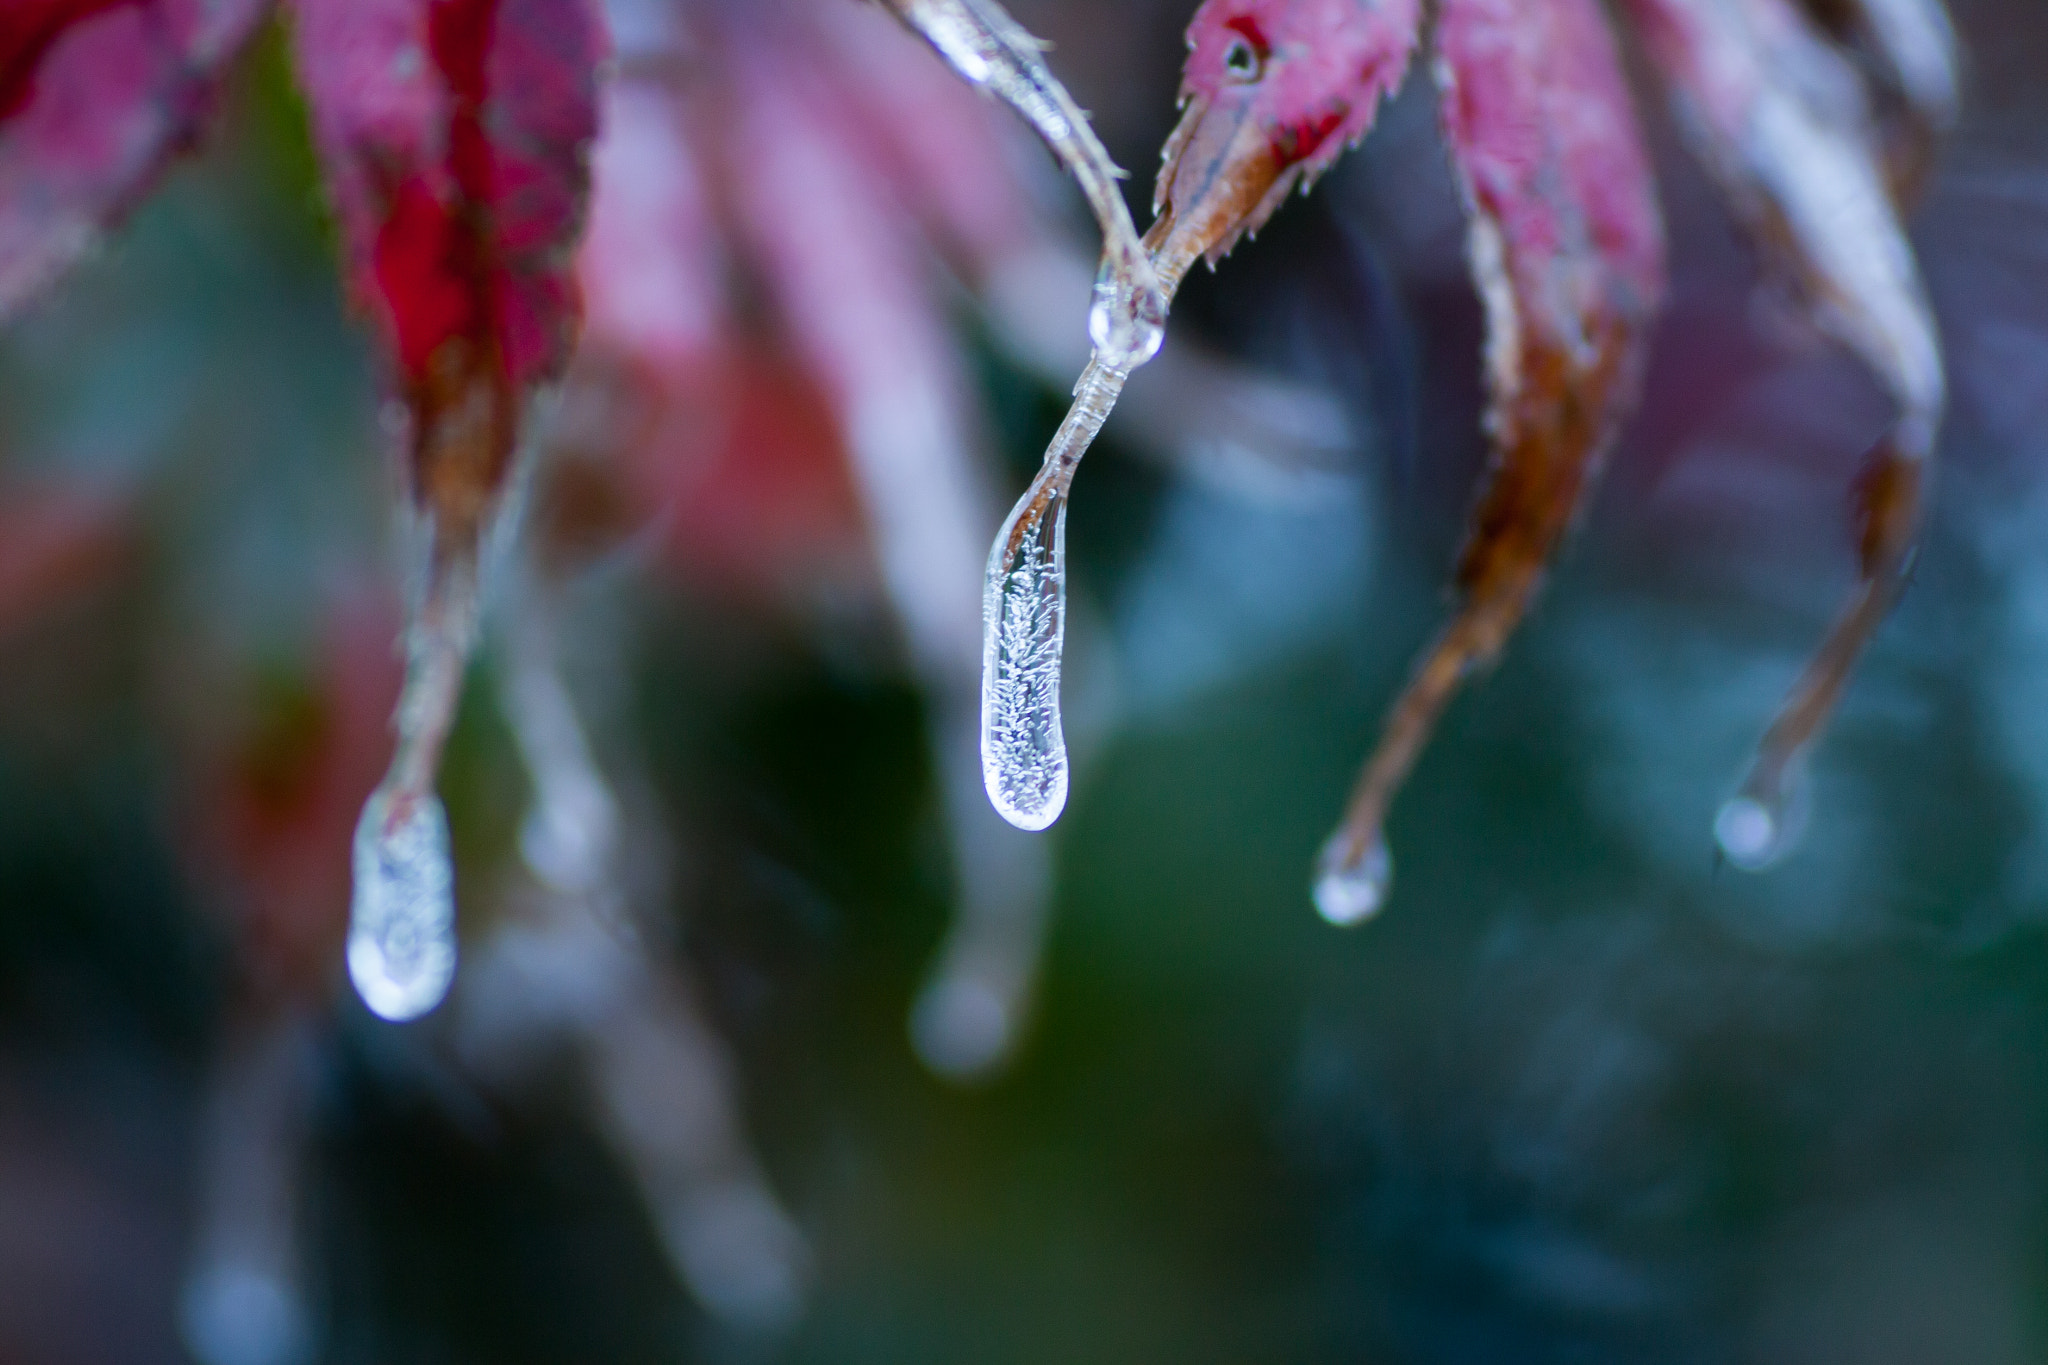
(986, 46)
(1274, 92)
(401, 938)
(95, 96)
(1786, 122)
(1567, 253)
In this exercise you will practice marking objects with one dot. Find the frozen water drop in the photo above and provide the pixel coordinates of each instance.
(1352, 882)
(401, 939)
(1763, 822)
(1024, 623)
(1127, 321)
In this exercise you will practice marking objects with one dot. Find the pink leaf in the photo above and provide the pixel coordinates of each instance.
(95, 95)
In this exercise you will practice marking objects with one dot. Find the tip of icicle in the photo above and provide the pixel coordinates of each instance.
(1031, 802)
(1352, 887)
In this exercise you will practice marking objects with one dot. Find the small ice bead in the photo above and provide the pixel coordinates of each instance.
(1126, 323)
(401, 938)
(1023, 746)
(1350, 890)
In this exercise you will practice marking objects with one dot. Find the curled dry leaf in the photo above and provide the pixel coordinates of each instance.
(1567, 252)
(1785, 121)
(95, 96)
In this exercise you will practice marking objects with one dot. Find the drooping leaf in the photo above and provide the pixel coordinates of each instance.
(1785, 121)
(1567, 252)
(95, 96)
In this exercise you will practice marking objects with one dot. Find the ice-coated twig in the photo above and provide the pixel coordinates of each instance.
(1567, 252)
(1024, 622)
(1785, 121)
(989, 48)
(1267, 109)
(401, 941)
(243, 1301)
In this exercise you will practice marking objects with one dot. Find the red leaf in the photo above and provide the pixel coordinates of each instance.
(95, 95)
(1273, 91)
(455, 135)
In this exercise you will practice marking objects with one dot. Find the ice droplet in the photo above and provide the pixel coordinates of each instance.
(1762, 823)
(1352, 882)
(1024, 627)
(1127, 321)
(401, 938)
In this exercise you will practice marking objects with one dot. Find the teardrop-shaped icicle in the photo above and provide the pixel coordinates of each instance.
(401, 939)
(1352, 881)
(1024, 628)
(1024, 621)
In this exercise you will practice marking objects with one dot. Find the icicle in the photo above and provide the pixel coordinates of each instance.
(401, 941)
(985, 45)
(1024, 622)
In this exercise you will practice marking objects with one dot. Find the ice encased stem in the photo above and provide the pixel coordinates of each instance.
(401, 941)
(1024, 627)
(1024, 622)
(980, 40)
